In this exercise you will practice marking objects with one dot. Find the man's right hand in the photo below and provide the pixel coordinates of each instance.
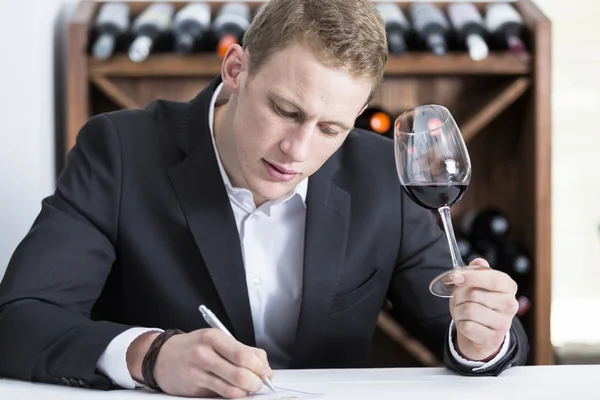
(202, 363)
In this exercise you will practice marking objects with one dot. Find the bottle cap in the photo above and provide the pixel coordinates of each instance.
(224, 44)
(380, 122)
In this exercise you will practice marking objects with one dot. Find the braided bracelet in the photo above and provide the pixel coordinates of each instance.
(151, 356)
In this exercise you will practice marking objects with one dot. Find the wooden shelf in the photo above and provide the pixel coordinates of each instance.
(459, 63)
(206, 64)
(493, 107)
(390, 327)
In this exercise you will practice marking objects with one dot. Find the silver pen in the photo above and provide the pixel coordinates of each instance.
(214, 322)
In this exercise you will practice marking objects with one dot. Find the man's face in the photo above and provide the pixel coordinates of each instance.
(289, 118)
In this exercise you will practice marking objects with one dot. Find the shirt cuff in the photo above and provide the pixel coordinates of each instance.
(113, 361)
(477, 365)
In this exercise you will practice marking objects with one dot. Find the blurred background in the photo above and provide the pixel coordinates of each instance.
(521, 79)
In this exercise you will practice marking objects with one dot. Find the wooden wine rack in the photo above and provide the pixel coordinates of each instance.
(502, 104)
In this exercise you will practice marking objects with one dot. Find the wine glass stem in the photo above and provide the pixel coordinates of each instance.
(457, 261)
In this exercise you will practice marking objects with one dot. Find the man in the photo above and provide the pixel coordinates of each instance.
(258, 200)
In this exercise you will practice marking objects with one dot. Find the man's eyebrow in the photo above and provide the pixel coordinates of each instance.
(303, 113)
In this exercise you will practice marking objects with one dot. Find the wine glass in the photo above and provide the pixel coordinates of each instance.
(435, 171)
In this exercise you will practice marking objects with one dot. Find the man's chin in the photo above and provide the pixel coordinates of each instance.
(272, 190)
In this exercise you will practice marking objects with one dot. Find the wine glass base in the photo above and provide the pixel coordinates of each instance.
(443, 286)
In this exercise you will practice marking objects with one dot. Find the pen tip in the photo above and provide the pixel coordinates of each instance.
(270, 385)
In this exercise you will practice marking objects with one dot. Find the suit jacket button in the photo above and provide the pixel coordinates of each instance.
(84, 384)
(65, 381)
(74, 382)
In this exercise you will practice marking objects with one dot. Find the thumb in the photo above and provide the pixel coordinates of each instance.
(479, 262)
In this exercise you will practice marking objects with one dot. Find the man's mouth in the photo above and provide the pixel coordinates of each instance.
(279, 172)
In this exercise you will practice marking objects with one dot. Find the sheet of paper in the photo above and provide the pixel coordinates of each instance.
(284, 394)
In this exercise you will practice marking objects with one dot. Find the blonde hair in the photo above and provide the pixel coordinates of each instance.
(341, 33)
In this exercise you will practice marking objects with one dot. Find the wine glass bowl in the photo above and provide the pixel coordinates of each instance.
(434, 169)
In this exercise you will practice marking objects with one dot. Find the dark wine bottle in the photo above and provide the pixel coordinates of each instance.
(524, 305)
(230, 25)
(505, 24)
(431, 25)
(471, 257)
(112, 23)
(464, 245)
(377, 120)
(190, 25)
(470, 29)
(486, 249)
(396, 26)
(465, 224)
(490, 225)
(515, 261)
(147, 27)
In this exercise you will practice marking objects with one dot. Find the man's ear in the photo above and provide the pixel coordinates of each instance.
(363, 110)
(234, 68)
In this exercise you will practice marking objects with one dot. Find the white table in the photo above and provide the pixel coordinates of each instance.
(580, 382)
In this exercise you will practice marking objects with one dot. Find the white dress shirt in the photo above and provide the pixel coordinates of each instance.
(272, 241)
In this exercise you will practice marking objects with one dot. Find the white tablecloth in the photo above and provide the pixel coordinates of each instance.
(580, 382)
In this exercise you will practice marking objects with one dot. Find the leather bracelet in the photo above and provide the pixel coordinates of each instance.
(151, 356)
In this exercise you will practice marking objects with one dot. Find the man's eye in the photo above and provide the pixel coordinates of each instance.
(284, 113)
(327, 131)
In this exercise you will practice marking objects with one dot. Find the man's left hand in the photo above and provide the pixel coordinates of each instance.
(483, 307)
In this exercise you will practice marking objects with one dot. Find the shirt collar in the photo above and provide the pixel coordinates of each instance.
(300, 189)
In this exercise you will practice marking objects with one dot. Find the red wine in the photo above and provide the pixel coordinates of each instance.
(435, 195)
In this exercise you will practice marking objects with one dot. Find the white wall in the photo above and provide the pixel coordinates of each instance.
(576, 170)
(27, 141)
(27, 115)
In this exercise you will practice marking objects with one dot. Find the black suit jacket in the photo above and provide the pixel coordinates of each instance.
(140, 232)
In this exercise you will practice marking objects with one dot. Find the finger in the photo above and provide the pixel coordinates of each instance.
(237, 376)
(488, 279)
(482, 315)
(479, 262)
(503, 303)
(263, 356)
(219, 386)
(236, 352)
(479, 334)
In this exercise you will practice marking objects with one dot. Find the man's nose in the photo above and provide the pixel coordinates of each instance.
(297, 143)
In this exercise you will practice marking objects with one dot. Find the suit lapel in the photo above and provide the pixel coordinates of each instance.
(199, 186)
(327, 224)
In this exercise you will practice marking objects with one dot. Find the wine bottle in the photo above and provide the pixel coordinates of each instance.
(230, 24)
(396, 26)
(487, 250)
(112, 22)
(190, 25)
(375, 119)
(513, 260)
(466, 222)
(464, 245)
(431, 25)
(470, 29)
(471, 257)
(505, 23)
(490, 225)
(147, 27)
(524, 305)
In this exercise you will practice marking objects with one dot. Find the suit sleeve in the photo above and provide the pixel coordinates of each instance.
(59, 269)
(423, 255)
